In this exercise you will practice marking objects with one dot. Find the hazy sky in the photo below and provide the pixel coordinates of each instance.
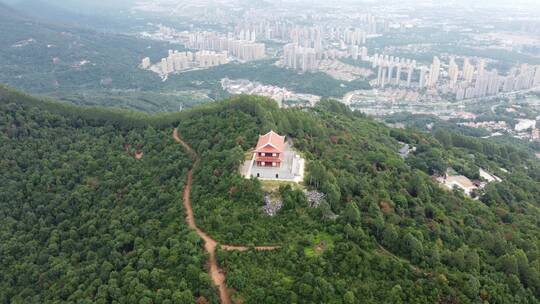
(120, 4)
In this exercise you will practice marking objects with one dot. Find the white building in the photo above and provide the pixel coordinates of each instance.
(488, 176)
(525, 124)
(146, 63)
(461, 182)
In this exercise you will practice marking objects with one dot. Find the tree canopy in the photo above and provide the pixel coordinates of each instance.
(83, 220)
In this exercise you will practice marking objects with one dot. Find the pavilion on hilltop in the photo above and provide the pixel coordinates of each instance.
(270, 150)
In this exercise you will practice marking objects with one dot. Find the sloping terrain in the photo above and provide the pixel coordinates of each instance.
(82, 219)
(398, 237)
(78, 64)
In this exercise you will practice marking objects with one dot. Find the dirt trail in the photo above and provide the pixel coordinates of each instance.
(209, 245)
(400, 259)
(217, 275)
(245, 248)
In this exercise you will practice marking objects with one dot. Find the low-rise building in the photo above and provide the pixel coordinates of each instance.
(274, 159)
(461, 182)
(464, 183)
(488, 176)
(525, 124)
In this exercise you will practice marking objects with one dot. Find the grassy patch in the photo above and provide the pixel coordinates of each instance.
(320, 243)
(248, 155)
(272, 185)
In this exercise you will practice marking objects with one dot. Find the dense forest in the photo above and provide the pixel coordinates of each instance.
(84, 220)
(396, 229)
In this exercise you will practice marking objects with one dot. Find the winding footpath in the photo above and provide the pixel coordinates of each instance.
(216, 273)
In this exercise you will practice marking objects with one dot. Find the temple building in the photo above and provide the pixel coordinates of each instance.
(270, 150)
(274, 159)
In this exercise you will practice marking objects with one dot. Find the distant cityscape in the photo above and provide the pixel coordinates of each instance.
(315, 48)
(470, 82)
(368, 46)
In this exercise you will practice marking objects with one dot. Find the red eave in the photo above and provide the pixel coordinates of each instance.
(268, 149)
(271, 142)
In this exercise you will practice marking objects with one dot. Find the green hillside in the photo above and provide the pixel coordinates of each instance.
(83, 220)
(51, 58)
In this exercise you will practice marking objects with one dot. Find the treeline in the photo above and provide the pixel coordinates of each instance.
(94, 116)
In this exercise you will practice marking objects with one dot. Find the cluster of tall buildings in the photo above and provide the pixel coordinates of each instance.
(179, 61)
(308, 59)
(282, 29)
(357, 52)
(300, 58)
(246, 35)
(308, 45)
(392, 70)
(276, 30)
(307, 37)
(477, 82)
(310, 36)
(317, 38)
(371, 24)
(473, 81)
(244, 50)
(354, 36)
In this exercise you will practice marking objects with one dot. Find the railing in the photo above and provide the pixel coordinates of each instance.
(268, 159)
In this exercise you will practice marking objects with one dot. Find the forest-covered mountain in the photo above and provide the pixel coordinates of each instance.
(78, 64)
(91, 212)
(42, 55)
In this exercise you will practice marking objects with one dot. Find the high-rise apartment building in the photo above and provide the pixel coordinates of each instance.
(481, 67)
(410, 71)
(536, 81)
(434, 72)
(494, 83)
(422, 81)
(354, 50)
(364, 53)
(398, 72)
(468, 71)
(453, 72)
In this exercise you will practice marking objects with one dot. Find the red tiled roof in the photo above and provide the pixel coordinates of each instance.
(271, 142)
